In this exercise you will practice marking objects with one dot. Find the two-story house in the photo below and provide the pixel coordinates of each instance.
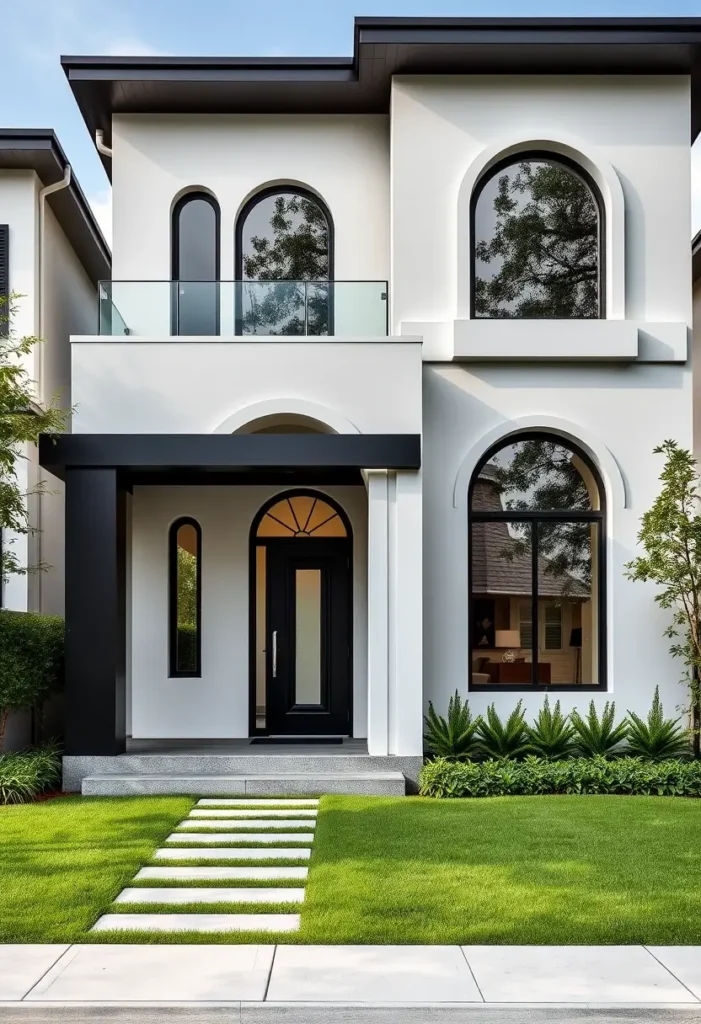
(52, 256)
(369, 415)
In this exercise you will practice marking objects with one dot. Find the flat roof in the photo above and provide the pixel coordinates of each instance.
(39, 150)
(384, 47)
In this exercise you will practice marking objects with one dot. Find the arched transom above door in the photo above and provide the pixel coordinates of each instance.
(301, 515)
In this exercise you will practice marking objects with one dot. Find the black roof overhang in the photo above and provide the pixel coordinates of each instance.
(384, 47)
(39, 150)
(231, 458)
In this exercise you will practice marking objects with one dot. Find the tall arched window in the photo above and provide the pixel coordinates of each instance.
(284, 263)
(195, 265)
(185, 597)
(536, 567)
(537, 241)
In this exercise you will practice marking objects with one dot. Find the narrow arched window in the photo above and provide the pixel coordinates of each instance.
(195, 265)
(536, 567)
(537, 241)
(185, 597)
(284, 264)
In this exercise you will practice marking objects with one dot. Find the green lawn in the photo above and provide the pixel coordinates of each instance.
(554, 870)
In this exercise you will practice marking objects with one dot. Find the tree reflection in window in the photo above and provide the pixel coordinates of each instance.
(537, 242)
(284, 247)
(185, 597)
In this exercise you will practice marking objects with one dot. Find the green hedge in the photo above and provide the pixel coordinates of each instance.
(26, 774)
(31, 661)
(630, 776)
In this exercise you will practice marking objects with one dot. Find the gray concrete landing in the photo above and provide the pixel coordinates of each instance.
(363, 783)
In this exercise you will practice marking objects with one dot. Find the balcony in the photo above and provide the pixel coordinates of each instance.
(153, 309)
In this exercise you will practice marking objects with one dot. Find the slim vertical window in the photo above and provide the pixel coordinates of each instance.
(195, 265)
(185, 598)
(537, 567)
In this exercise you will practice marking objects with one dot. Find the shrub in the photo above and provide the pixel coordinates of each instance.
(31, 661)
(499, 739)
(25, 774)
(453, 737)
(658, 738)
(598, 736)
(552, 736)
(630, 776)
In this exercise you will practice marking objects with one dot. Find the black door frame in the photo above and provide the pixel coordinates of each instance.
(255, 542)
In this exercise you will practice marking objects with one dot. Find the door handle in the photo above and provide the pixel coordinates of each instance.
(274, 654)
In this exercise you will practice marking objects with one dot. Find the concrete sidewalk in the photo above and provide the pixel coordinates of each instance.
(403, 984)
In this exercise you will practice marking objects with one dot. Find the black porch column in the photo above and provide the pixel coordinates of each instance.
(95, 612)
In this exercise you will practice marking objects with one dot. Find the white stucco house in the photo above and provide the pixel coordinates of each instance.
(369, 413)
(52, 256)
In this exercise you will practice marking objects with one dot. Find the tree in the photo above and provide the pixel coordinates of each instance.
(296, 251)
(670, 533)
(544, 244)
(22, 420)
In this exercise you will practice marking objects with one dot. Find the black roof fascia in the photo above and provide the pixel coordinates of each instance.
(383, 47)
(194, 454)
(38, 149)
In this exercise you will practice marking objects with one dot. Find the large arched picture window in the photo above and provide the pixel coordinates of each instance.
(536, 567)
(537, 241)
(195, 265)
(185, 597)
(284, 264)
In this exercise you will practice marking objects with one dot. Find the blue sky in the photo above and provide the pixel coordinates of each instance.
(41, 30)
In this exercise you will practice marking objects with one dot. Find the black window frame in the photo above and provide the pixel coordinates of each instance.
(558, 515)
(576, 168)
(173, 671)
(189, 197)
(243, 214)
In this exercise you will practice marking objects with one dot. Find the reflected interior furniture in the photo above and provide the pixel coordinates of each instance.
(515, 672)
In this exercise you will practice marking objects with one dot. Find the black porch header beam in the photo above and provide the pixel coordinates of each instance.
(195, 454)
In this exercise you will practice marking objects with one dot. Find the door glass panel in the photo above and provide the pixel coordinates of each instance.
(308, 636)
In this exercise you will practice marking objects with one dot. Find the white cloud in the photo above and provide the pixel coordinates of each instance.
(101, 205)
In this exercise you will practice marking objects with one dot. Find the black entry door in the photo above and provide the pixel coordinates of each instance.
(308, 643)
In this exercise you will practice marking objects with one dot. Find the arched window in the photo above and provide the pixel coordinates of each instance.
(195, 265)
(185, 597)
(284, 263)
(537, 241)
(536, 567)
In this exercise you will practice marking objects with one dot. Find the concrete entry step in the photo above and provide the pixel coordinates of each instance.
(198, 923)
(360, 783)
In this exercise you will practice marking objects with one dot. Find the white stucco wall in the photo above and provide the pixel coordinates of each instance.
(195, 386)
(345, 159)
(215, 705)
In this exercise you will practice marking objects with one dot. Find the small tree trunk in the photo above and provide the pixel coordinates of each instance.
(696, 714)
(4, 715)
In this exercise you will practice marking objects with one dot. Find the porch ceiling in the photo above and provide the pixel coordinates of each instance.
(230, 458)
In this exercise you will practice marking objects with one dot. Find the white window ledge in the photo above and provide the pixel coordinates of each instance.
(561, 340)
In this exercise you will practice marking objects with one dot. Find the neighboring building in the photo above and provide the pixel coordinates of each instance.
(370, 413)
(52, 254)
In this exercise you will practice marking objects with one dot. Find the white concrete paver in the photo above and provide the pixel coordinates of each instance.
(210, 894)
(233, 853)
(159, 973)
(205, 873)
(241, 823)
(572, 974)
(22, 965)
(258, 802)
(198, 923)
(684, 962)
(240, 837)
(366, 974)
(251, 814)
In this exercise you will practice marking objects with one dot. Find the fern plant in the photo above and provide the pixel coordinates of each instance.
(596, 735)
(452, 737)
(552, 735)
(502, 740)
(659, 737)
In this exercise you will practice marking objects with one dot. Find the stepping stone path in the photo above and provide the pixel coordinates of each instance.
(216, 821)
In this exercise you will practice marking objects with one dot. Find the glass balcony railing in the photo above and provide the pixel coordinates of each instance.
(244, 308)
